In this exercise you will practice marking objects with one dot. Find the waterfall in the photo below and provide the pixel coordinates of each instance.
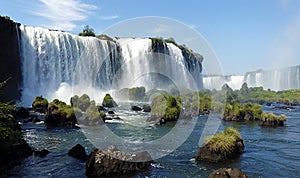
(53, 59)
(58, 64)
(278, 79)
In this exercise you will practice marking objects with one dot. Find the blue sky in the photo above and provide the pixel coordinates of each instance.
(245, 35)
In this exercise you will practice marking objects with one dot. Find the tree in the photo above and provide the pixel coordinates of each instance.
(87, 31)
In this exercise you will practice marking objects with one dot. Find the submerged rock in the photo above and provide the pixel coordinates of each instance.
(42, 153)
(115, 162)
(221, 146)
(136, 108)
(228, 173)
(146, 108)
(78, 152)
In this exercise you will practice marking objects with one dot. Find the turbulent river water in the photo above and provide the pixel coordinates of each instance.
(269, 152)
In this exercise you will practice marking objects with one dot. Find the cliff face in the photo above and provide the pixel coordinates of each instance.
(9, 60)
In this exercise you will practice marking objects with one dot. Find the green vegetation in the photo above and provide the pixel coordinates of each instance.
(93, 114)
(61, 114)
(135, 94)
(40, 104)
(108, 101)
(165, 107)
(82, 102)
(12, 145)
(87, 31)
(266, 117)
(224, 142)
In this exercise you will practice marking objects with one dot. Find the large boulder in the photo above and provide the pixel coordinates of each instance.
(136, 108)
(221, 146)
(146, 108)
(43, 153)
(228, 173)
(109, 102)
(78, 152)
(115, 162)
(40, 104)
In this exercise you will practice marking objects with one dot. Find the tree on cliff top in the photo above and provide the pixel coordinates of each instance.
(87, 31)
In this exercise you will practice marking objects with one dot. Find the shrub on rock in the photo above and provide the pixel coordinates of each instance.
(108, 101)
(40, 104)
(93, 116)
(165, 108)
(82, 102)
(271, 120)
(61, 114)
(221, 146)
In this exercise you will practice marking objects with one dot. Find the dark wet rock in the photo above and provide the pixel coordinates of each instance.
(115, 162)
(146, 108)
(34, 119)
(110, 112)
(285, 107)
(10, 67)
(78, 152)
(268, 104)
(43, 153)
(274, 123)
(101, 108)
(136, 108)
(228, 173)
(22, 113)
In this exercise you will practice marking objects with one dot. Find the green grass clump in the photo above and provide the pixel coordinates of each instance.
(165, 106)
(269, 117)
(40, 104)
(223, 142)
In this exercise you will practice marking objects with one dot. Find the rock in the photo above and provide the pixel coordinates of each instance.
(60, 114)
(285, 107)
(146, 108)
(34, 119)
(78, 152)
(40, 104)
(42, 153)
(221, 146)
(101, 108)
(10, 57)
(110, 112)
(109, 102)
(115, 162)
(22, 113)
(271, 123)
(228, 173)
(136, 108)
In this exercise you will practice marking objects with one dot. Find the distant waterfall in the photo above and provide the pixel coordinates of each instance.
(58, 64)
(279, 79)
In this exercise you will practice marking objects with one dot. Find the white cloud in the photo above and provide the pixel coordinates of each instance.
(62, 14)
(109, 17)
(193, 26)
(285, 48)
(161, 28)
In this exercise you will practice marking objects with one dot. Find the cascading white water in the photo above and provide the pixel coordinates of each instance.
(279, 79)
(53, 59)
(59, 65)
